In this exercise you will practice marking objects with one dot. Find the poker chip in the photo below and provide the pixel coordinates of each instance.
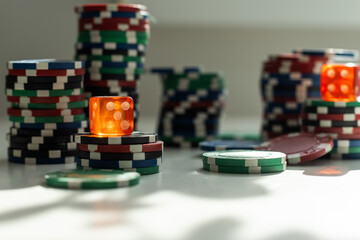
(346, 143)
(118, 156)
(333, 53)
(335, 117)
(345, 156)
(43, 93)
(20, 153)
(218, 145)
(330, 123)
(345, 150)
(110, 7)
(105, 53)
(134, 148)
(245, 170)
(36, 161)
(114, 164)
(321, 103)
(134, 138)
(141, 171)
(243, 158)
(300, 147)
(111, 14)
(91, 179)
(46, 108)
(332, 110)
(179, 70)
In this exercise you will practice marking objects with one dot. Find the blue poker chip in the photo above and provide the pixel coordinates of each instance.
(291, 94)
(110, 46)
(177, 70)
(113, 164)
(114, 64)
(34, 161)
(347, 143)
(45, 64)
(103, 14)
(81, 124)
(218, 145)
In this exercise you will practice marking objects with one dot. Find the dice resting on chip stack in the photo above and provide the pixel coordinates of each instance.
(287, 80)
(192, 105)
(112, 41)
(112, 144)
(338, 113)
(46, 108)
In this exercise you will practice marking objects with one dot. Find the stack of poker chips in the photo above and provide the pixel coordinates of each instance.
(112, 41)
(340, 120)
(138, 152)
(286, 81)
(46, 108)
(192, 105)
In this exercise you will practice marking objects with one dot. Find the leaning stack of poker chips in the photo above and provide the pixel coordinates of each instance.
(340, 120)
(286, 81)
(112, 41)
(192, 105)
(138, 152)
(46, 108)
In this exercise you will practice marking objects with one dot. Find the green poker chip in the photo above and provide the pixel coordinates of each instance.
(112, 39)
(245, 170)
(239, 136)
(62, 105)
(92, 179)
(43, 93)
(345, 150)
(141, 171)
(104, 70)
(322, 103)
(50, 119)
(110, 58)
(244, 158)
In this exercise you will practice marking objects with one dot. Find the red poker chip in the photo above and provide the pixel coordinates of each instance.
(114, 27)
(135, 148)
(129, 21)
(97, 7)
(42, 72)
(342, 130)
(63, 99)
(334, 117)
(44, 113)
(300, 147)
(109, 83)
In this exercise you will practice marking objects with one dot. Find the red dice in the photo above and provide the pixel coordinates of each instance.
(111, 115)
(340, 82)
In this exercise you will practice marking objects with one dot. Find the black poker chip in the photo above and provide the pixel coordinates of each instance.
(134, 138)
(21, 153)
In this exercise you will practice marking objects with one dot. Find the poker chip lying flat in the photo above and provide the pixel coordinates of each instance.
(92, 179)
(134, 138)
(218, 145)
(43, 86)
(39, 139)
(81, 124)
(44, 147)
(321, 103)
(61, 105)
(118, 156)
(44, 113)
(244, 158)
(300, 147)
(334, 117)
(332, 110)
(50, 73)
(43, 79)
(342, 130)
(345, 156)
(244, 170)
(346, 143)
(45, 64)
(141, 171)
(20, 153)
(51, 119)
(335, 53)
(47, 100)
(44, 132)
(330, 123)
(345, 150)
(133, 148)
(35, 161)
(96, 7)
(111, 164)
(43, 93)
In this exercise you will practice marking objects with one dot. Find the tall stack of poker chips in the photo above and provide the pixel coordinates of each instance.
(46, 108)
(139, 152)
(340, 120)
(286, 81)
(112, 41)
(192, 105)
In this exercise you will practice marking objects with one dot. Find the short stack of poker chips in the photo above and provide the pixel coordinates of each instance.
(340, 120)
(244, 161)
(192, 104)
(46, 108)
(287, 80)
(138, 152)
(112, 41)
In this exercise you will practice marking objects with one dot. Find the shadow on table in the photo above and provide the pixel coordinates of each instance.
(327, 167)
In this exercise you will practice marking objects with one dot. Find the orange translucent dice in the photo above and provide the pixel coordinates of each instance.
(111, 115)
(340, 82)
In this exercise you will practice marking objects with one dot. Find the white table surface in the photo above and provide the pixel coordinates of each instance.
(320, 200)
